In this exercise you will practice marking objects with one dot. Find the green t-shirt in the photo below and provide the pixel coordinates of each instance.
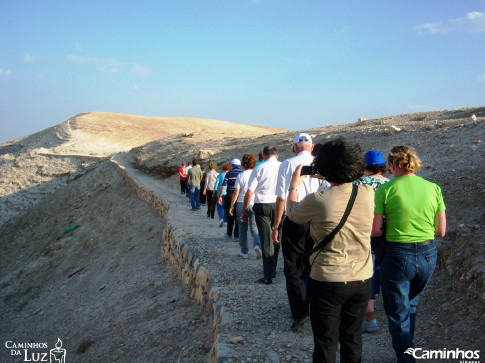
(410, 204)
(195, 175)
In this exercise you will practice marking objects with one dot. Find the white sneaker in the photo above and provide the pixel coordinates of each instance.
(221, 224)
(243, 255)
(258, 252)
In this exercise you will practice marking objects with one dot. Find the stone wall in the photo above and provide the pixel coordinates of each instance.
(187, 266)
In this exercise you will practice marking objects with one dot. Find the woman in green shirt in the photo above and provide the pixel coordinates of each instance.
(415, 214)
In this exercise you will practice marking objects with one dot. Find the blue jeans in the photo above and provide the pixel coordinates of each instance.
(405, 272)
(220, 210)
(243, 229)
(195, 196)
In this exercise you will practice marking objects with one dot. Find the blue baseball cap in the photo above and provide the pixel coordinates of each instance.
(374, 157)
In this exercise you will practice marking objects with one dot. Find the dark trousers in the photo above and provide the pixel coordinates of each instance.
(294, 240)
(337, 312)
(202, 196)
(211, 202)
(264, 215)
(230, 219)
(183, 186)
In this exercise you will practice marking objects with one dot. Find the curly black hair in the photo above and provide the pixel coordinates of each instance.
(340, 162)
(375, 169)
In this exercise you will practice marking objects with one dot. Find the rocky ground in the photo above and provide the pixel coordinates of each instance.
(101, 288)
(104, 291)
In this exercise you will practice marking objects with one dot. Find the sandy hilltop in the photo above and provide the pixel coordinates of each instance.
(81, 253)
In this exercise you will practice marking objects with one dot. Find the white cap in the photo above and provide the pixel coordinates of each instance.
(301, 137)
(235, 162)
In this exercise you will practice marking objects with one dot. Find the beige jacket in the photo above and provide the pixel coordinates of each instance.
(348, 256)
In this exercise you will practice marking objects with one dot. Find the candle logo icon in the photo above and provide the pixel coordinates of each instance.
(58, 354)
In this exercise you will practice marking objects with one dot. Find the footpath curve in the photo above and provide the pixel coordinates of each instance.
(250, 322)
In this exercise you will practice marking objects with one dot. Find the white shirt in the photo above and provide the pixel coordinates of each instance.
(309, 184)
(263, 181)
(242, 182)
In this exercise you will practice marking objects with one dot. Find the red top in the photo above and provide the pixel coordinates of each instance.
(183, 172)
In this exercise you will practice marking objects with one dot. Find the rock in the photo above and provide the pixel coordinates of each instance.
(236, 340)
(392, 130)
(462, 228)
(473, 117)
(203, 154)
(361, 119)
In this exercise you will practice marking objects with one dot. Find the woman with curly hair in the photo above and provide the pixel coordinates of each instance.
(341, 271)
(415, 214)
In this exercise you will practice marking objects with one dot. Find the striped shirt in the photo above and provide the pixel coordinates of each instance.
(230, 179)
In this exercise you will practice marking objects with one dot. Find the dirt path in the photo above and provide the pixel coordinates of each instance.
(260, 315)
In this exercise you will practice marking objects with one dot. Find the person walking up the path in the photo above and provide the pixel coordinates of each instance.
(415, 213)
(182, 177)
(374, 176)
(262, 184)
(209, 190)
(218, 186)
(295, 238)
(194, 177)
(248, 162)
(341, 268)
(228, 186)
(187, 184)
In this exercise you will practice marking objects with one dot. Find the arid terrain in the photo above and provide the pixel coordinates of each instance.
(103, 288)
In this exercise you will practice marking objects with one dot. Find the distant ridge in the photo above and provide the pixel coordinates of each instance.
(105, 133)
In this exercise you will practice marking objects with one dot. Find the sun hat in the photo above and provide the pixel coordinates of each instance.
(235, 162)
(374, 157)
(302, 137)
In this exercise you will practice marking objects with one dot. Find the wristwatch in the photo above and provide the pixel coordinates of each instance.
(273, 228)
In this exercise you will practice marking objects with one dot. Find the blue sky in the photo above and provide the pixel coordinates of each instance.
(293, 64)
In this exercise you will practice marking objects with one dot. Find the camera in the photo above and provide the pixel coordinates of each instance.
(308, 170)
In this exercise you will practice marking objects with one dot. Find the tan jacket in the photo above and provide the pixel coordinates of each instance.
(348, 256)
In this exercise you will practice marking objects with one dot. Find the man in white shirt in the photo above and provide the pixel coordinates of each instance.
(295, 238)
(262, 184)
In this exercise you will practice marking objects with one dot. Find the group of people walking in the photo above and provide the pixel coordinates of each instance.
(345, 232)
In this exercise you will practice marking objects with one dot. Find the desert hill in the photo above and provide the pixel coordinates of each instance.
(33, 166)
(103, 288)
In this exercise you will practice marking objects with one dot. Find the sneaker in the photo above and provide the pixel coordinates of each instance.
(258, 252)
(370, 327)
(221, 224)
(243, 255)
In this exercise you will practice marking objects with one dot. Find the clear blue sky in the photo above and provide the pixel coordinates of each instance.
(294, 64)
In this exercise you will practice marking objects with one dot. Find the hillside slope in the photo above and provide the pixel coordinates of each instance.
(33, 166)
